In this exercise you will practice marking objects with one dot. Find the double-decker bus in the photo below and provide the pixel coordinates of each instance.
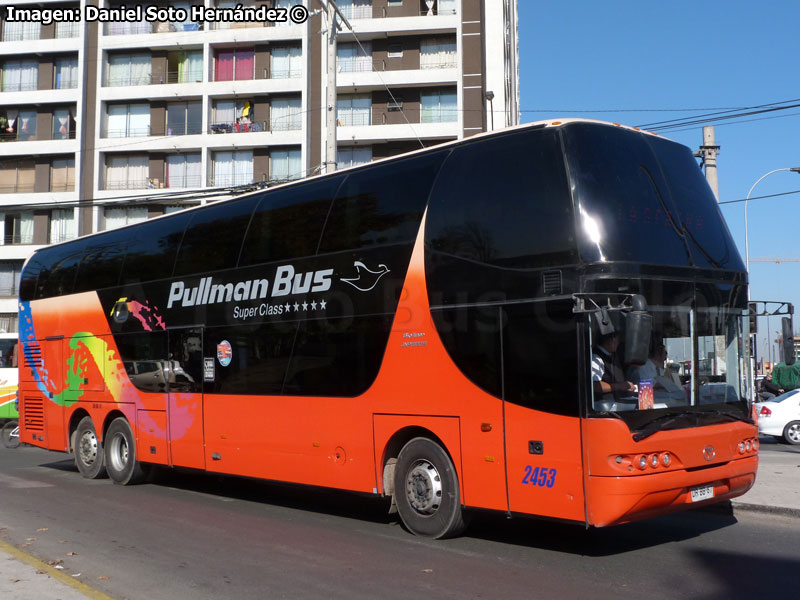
(426, 328)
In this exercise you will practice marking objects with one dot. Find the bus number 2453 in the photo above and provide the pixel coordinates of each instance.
(541, 476)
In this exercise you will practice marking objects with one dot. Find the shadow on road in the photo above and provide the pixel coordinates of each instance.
(495, 527)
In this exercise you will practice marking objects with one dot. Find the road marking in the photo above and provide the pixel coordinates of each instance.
(84, 589)
(19, 482)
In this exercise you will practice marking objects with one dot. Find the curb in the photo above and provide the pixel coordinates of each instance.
(772, 510)
(56, 574)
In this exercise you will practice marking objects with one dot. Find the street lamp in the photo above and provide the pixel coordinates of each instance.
(746, 239)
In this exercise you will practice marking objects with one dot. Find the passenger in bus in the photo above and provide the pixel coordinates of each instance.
(608, 377)
(664, 382)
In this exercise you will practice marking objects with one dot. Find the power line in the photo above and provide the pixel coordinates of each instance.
(760, 197)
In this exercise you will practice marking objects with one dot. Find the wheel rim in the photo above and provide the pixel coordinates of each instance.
(424, 487)
(793, 433)
(118, 455)
(87, 448)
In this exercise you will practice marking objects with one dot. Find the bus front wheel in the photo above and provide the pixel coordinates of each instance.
(88, 450)
(426, 490)
(120, 449)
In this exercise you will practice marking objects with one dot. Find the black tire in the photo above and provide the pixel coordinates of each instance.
(10, 434)
(791, 433)
(426, 490)
(88, 450)
(120, 449)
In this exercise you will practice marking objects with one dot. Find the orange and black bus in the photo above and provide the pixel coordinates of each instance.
(424, 328)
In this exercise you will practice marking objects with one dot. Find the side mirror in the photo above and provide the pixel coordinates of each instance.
(788, 341)
(638, 328)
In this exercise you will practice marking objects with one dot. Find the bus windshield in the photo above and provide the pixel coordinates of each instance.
(643, 199)
(695, 366)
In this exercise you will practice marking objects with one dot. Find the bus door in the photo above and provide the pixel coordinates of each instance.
(541, 388)
(183, 371)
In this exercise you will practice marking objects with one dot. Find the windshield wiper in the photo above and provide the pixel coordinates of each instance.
(660, 423)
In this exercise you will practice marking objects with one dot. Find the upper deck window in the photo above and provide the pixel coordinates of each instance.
(622, 198)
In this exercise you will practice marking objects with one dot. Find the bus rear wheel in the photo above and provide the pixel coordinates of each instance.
(120, 449)
(88, 450)
(426, 490)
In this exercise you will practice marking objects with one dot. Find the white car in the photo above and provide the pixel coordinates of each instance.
(781, 417)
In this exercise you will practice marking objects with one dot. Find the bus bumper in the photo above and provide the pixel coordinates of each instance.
(617, 500)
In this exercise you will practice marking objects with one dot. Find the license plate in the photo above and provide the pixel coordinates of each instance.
(703, 492)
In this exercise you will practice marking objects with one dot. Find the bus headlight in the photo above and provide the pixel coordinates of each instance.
(654, 461)
(666, 459)
(741, 447)
(642, 462)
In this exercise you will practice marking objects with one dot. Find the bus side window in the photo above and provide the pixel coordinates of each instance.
(213, 239)
(288, 222)
(499, 210)
(58, 277)
(101, 266)
(381, 205)
(540, 356)
(151, 253)
(29, 277)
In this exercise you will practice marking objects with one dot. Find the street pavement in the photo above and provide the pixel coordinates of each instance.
(24, 577)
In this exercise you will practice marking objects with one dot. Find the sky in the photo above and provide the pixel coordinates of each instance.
(641, 61)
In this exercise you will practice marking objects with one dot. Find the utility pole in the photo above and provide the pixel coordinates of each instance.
(708, 152)
(330, 93)
(333, 12)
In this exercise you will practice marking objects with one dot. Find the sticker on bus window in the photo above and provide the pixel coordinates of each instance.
(646, 394)
(224, 353)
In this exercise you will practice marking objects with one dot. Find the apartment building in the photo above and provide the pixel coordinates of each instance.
(103, 124)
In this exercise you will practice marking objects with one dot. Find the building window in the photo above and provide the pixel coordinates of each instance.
(127, 172)
(285, 114)
(127, 27)
(234, 116)
(17, 32)
(67, 29)
(183, 171)
(354, 110)
(18, 228)
(62, 225)
(439, 106)
(9, 323)
(62, 175)
(9, 283)
(287, 62)
(351, 58)
(187, 25)
(127, 120)
(186, 67)
(438, 53)
(63, 124)
(16, 176)
(352, 156)
(17, 125)
(173, 208)
(66, 73)
(285, 165)
(129, 69)
(287, 4)
(20, 75)
(439, 7)
(184, 118)
(119, 217)
(234, 65)
(232, 168)
(356, 9)
(395, 51)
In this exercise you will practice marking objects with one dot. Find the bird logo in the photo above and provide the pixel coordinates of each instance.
(366, 278)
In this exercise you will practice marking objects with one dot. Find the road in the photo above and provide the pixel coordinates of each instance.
(202, 537)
